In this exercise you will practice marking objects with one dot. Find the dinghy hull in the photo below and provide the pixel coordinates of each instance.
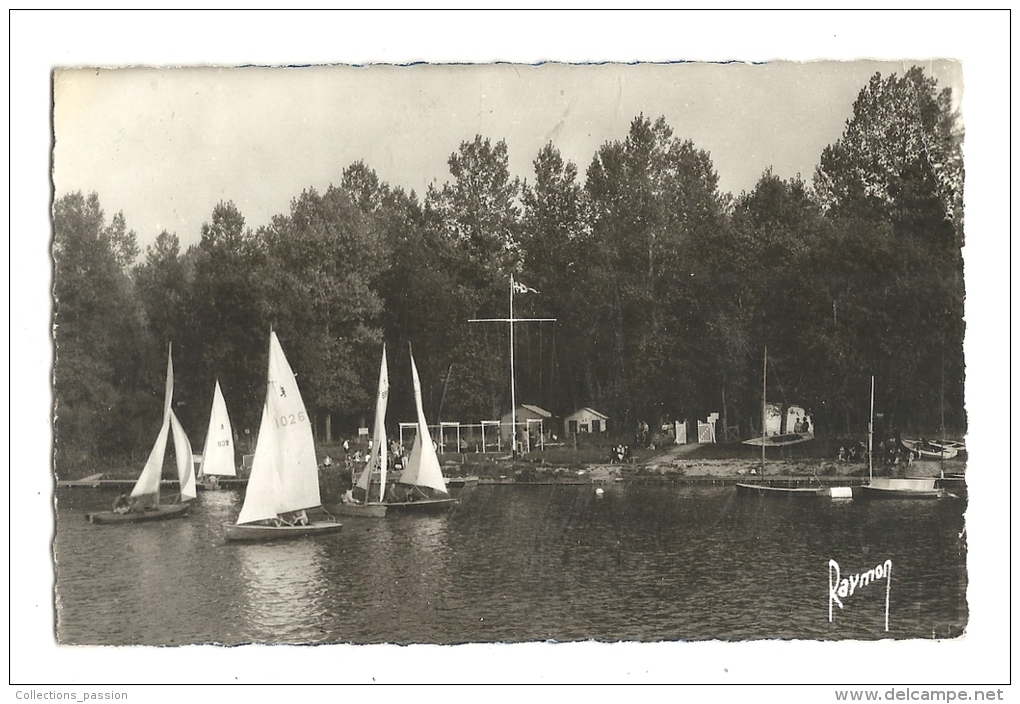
(261, 533)
(900, 488)
(160, 513)
(423, 506)
(782, 492)
(352, 509)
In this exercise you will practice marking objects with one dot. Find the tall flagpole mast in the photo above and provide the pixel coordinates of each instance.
(513, 382)
(871, 430)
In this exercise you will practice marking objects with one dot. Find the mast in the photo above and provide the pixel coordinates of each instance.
(764, 410)
(513, 385)
(942, 412)
(871, 429)
(513, 380)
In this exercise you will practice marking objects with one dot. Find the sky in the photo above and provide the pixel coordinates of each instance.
(165, 155)
(165, 145)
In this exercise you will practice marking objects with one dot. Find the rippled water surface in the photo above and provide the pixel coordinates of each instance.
(518, 563)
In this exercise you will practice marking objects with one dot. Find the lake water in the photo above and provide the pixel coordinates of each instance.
(517, 563)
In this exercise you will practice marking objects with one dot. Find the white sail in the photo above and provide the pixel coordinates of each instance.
(185, 458)
(261, 496)
(377, 459)
(423, 465)
(168, 393)
(152, 473)
(148, 482)
(284, 474)
(218, 453)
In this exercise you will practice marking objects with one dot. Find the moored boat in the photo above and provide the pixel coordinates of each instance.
(802, 492)
(900, 488)
(777, 490)
(893, 487)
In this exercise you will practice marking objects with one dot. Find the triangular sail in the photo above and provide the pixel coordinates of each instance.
(168, 393)
(377, 459)
(218, 453)
(148, 481)
(261, 496)
(152, 473)
(185, 458)
(284, 474)
(423, 465)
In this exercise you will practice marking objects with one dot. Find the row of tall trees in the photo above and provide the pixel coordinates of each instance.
(665, 290)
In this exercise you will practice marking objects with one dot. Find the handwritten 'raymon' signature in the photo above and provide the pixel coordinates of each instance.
(842, 588)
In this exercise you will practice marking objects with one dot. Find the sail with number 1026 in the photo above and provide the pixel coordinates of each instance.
(284, 481)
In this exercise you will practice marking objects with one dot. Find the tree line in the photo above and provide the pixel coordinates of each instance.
(665, 290)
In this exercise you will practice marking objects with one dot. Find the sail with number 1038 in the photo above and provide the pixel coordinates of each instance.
(284, 481)
(218, 452)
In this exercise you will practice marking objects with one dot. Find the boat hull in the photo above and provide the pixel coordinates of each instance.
(260, 533)
(782, 492)
(210, 485)
(780, 440)
(423, 506)
(933, 450)
(356, 510)
(900, 488)
(461, 481)
(163, 512)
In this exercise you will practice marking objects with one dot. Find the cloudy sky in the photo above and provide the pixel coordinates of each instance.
(165, 145)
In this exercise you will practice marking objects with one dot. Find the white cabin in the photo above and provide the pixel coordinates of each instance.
(586, 420)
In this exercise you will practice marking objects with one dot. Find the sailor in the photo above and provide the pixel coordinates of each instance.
(122, 504)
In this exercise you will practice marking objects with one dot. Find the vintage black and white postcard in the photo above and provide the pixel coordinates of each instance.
(549, 359)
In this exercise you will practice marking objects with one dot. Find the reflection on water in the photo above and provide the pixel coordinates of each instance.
(518, 563)
(283, 590)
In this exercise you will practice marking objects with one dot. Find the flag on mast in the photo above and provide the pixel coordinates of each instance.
(521, 288)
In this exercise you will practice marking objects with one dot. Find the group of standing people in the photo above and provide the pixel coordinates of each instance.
(618, 454)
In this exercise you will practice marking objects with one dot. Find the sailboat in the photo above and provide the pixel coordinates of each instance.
(763, 489)
(218, 453)
(361, 503)
(421, 486)
(144, 504)
(893, 487)
(284, 480)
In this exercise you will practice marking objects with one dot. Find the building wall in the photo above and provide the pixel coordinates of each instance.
(523, 414)
(584, 421)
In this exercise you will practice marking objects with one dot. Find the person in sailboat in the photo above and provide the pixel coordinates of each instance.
(122, 504)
